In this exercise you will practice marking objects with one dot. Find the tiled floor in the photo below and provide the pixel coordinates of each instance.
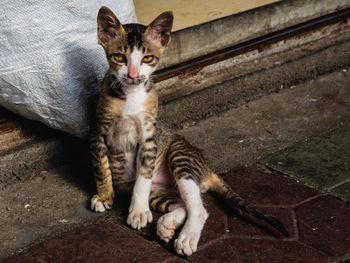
(318, 224)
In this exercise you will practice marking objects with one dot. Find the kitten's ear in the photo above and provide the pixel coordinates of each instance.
(108, 26)
(159, 30)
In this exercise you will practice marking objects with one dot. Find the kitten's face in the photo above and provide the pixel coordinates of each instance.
(133, 50)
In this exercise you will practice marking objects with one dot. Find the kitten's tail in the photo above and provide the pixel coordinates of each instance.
(222, 190)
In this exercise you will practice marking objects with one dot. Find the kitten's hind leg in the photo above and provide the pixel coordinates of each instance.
(164, 201)
(189, 236)
(168, 223)
(190, 171)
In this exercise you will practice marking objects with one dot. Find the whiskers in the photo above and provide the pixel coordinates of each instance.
(115, 83)
(150, 78)
(121, 84)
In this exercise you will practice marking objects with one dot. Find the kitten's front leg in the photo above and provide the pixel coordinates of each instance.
(139, 211)
(105, 193)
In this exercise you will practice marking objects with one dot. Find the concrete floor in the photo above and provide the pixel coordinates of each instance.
(321, 162)
(245, 135)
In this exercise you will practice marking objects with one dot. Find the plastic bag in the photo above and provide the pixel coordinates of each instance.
(50, 62)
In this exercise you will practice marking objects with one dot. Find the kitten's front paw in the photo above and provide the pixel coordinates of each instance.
(138, 218)
(100, 205)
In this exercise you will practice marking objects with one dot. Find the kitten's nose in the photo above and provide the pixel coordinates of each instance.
(133, 76)
(134, 72)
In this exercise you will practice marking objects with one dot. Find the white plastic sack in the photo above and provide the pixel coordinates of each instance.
(50, 62)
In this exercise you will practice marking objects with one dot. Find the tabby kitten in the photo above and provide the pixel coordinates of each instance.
(130, 153)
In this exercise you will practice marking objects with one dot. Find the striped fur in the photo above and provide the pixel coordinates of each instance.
(130, 152)
(122, 143)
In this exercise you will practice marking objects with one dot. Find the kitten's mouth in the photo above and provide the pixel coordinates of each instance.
(133, 82)
(126, 81)
(137, 81)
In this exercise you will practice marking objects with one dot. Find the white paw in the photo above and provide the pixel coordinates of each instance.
(138, 218)
(167, 223)
(166, 228)
(98, 206)
(188, 239)
(187, 243)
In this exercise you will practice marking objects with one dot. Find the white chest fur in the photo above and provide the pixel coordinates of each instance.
(135, 100)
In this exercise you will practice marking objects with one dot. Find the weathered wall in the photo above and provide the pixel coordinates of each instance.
(217, 34)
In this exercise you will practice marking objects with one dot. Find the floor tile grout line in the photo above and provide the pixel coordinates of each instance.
(315, 249)
(299, 179)
(295, 224)
(319, 251)
(308, 200)
(342, 258)
(212, 242)
(261, 238)
(292, 206)
(338, 184)
(39, 259)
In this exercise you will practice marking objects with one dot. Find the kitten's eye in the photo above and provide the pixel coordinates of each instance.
(148, 59)
(120, 58)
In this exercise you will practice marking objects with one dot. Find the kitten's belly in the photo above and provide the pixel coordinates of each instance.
(161, 174)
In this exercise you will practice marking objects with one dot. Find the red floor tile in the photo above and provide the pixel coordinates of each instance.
(324, 223)
(267, 189)
(176, 260)
(104, 242)
(271, 251)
